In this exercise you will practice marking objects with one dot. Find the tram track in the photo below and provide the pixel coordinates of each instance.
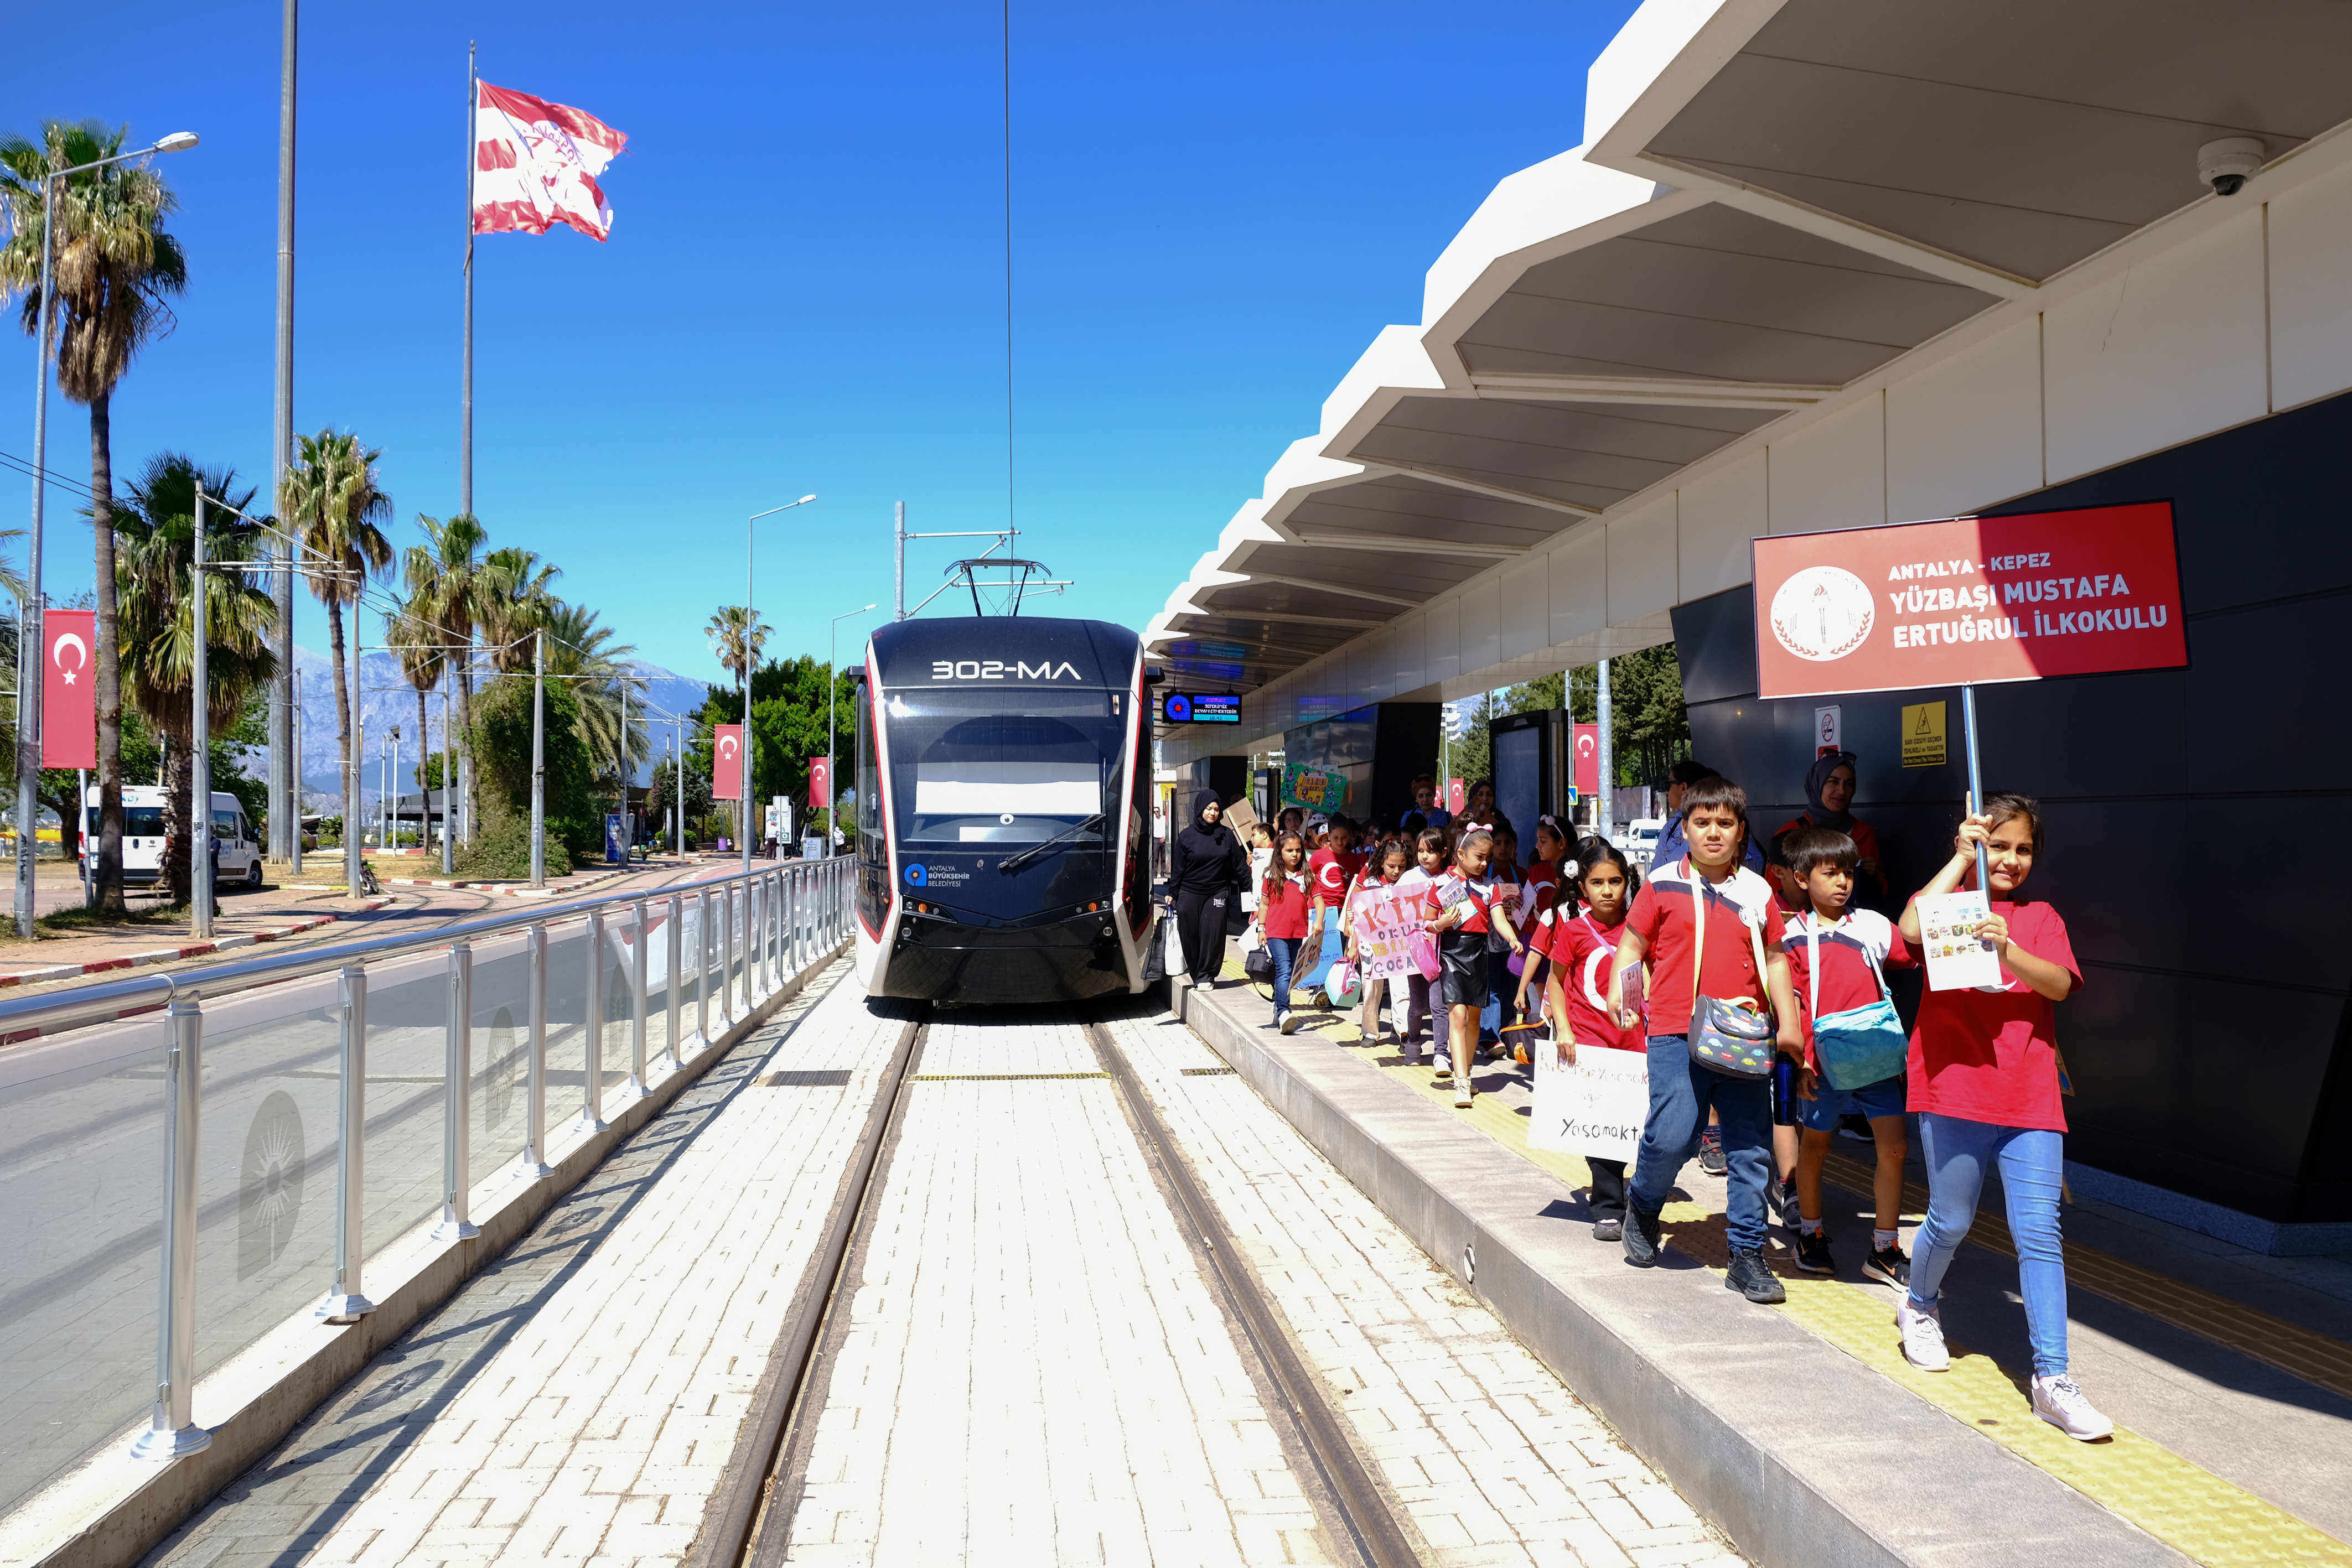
(748, 1524)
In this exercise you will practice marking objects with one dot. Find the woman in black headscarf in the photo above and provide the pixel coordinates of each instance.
(1207, 872)
(1830, 788)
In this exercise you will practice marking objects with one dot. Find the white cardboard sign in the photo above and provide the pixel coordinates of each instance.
(1594, 1108)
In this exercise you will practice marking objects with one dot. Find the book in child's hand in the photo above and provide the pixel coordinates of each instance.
(1958, 958)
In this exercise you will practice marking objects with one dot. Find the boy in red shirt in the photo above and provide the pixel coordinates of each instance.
(1334, 869)
(1855, 948)
(1741, 919)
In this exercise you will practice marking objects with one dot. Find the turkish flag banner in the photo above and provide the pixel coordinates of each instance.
(69, 690)
(820, 784)
(1455, 798)
(1968, 601)
(1588, 759)
(727, 762)
(535, 166)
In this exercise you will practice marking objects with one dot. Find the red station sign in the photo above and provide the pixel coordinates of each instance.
(1969, 599)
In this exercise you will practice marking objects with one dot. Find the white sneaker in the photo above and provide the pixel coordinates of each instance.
(1923, 1337)
(1290, 1023)
(1204, 984)
(2060, 1401)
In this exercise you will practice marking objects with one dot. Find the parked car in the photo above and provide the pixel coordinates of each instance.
(1639, 839)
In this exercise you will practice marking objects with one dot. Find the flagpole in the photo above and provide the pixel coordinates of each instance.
(466, 397)
(285, 768)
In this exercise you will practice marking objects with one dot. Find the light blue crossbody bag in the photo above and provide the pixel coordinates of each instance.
(1862, 1045)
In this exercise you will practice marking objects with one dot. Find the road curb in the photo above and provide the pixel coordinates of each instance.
(173, 954)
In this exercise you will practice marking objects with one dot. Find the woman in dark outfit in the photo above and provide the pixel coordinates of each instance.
(1207, 872)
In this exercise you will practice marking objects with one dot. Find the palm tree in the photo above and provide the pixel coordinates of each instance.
(580, 650)
(423, 659)
(725, 631)
(111, 264)
(449, 587)
(517, 600)
(334, 503)
(153, 567)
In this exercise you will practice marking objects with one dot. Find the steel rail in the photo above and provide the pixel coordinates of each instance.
(21, 1019)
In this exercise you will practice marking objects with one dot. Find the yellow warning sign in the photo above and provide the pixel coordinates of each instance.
(1923, 735)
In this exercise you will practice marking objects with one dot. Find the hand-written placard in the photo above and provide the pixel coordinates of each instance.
(1958, 959)
(1315, 789)
(1383, 918)
(1594, 1108)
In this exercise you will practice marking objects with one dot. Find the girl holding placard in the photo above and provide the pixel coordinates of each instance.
(1984, 1081)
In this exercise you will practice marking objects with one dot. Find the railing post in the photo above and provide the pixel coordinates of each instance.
(731, 969)
(677, 978)
(171, 1429)
(754, 936)
(638, 970)
(772, 929)
(798, 897)
(592, 1098)
(702, 969)
(347, 1303)
(533, 1165)
(457, 1071)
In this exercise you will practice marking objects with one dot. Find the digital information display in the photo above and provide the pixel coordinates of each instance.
(1202, 707)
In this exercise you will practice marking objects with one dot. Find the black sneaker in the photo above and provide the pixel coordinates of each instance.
(1889, 1268)
(1609, 1229)
(1813, 1252)
(1783, 1198)
(1751, 1278)
(1710, 1151)
(1856, 1125)
(1641, 1238)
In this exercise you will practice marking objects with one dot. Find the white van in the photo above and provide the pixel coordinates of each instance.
(143, 835)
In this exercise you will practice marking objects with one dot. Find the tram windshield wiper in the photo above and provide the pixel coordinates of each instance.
(1014, 863)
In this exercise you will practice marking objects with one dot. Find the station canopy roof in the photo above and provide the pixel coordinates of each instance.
(1773, 201)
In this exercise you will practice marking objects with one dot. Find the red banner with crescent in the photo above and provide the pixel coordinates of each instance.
(727, 762)
(1588, 758)
(820, 784)
(69, 690)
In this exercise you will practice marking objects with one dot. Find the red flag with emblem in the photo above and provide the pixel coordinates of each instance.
(727, 762)
(69, 690)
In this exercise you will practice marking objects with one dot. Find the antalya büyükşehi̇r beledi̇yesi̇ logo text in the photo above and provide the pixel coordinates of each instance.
(1822, 612)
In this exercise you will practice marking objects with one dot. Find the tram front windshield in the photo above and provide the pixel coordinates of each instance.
(1015, 766)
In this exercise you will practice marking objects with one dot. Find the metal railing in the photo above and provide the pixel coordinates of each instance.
(369, 1037)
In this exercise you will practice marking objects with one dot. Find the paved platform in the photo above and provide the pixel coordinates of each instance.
(2230, 1372)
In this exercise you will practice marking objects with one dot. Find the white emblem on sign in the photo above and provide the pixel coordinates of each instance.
(727, 745)
(57, 655)
(1822, 612)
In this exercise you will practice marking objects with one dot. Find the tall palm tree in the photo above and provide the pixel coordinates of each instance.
(519, 597)
(423, 659)
(725, 631)
(112, 263)
(333, 504)
(154, 570)
(581, 651)
(449, 586)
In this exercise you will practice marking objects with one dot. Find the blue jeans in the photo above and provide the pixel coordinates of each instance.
(1957, 1153)
(1681, 1091)
(1286, 963)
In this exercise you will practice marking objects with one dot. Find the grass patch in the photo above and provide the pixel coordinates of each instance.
(76, 922)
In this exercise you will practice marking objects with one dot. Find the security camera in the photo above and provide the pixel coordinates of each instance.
(2229, 163)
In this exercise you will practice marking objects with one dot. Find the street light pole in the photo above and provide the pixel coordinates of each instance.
(29, 643)
(199, 832)
(831, 682)
(750, 622)
(539, 760)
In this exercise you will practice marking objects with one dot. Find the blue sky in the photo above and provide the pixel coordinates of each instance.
(1214, 209)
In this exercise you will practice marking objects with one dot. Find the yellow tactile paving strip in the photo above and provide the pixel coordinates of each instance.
(2187, 1507)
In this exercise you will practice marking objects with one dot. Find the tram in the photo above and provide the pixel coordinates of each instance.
(1003, 811)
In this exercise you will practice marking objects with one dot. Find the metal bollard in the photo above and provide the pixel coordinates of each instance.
(347, 1302)
(638, 968)
(171, 1429)
(677, 978)
(533, 1164)
(592, 1098)
(458, 1075)
(702, 969)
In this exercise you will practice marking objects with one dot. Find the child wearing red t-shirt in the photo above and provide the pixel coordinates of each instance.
(1741, 920)
(1384, 867)
(1471, 906)
(1581, 945)
(1282, 900)
(1838, 960)
(1538, 893)
(1334, 869)
(1984, 1081)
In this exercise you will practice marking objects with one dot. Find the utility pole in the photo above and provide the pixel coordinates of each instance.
(285, 760)
(199, 832)
(678, 764)
(294, 840)
(899, 606)
(449, 791)
(356, 760)
(1603, 809)
(539, 760)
